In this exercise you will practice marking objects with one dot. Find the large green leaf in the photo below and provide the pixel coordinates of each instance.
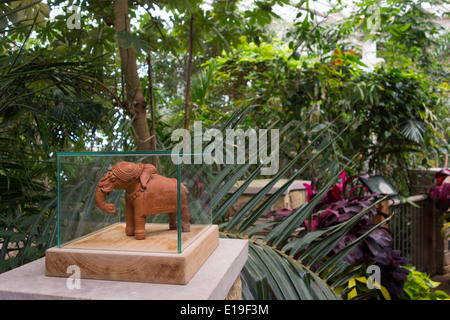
(282, 276)
(249, 206)
(20, 8)
(413, 130)
(322, 248)
(342, 253)
(285, 229)
(231, 180)
(133, 41)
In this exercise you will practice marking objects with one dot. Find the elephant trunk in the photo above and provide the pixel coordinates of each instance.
(100, 197)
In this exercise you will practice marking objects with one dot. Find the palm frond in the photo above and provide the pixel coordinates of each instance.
(269, 271)
(279, 276)
(413, 130)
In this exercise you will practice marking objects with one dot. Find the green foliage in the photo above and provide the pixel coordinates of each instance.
(274, 269)
(270, 274)
(250, 70)
(356, 287)
(46, 107)
(394, 112)
(446, 227)
(415, 51)
(419, 287)
(57, 85)
(133, 41)
(25, 210)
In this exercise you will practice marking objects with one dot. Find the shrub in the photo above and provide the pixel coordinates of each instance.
(342, 203)
(418, 287)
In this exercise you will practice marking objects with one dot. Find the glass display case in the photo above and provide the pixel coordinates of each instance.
(129, 204)
(79, 213)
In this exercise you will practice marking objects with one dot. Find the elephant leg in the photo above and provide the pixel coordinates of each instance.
(129, 219)
(185, 226)
(139, 231)
(173, 220)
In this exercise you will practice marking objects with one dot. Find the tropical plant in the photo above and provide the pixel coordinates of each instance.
(362, 285)
(24, 223)
(401, 106)
(418, 286)
(403, 132)
(440, 192)
(123, 36)
(64, 91)
(341, 203)
(274, 269)
(45, 108)
(390, 100)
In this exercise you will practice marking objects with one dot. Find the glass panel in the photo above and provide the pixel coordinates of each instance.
(196, 180)
(81, 223)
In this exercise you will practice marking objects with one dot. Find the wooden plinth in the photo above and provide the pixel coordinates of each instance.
(110, 255)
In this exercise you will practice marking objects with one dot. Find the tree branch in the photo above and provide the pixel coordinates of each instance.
(152, 104)
(189, 74)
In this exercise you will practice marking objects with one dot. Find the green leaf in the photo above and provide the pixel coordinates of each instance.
(224, 190)
(14, 236)
(405, 27)
(285, 229)
(324, 247)
(5, 14)
(413, 130)
(296, 246)
(342, 253)
(246, 209)
(279, 276)
(255, 215)
(133, 41)
(260, 227)
(343, 279)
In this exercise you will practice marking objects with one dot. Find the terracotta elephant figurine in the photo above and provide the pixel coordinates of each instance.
(146, 193)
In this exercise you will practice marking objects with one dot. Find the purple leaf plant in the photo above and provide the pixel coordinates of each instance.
(339, 204)
(441, 190)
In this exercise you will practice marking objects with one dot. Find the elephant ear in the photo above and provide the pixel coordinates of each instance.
(149, 169)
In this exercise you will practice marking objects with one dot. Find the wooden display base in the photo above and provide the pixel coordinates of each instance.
(109, 254)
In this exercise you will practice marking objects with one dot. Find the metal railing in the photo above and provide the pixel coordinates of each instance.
(406, 225)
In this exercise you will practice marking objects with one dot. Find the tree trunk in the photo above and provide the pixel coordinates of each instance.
(153, 159)
(134, 103)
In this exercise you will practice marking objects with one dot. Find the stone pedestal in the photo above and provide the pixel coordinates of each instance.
(212, 281)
